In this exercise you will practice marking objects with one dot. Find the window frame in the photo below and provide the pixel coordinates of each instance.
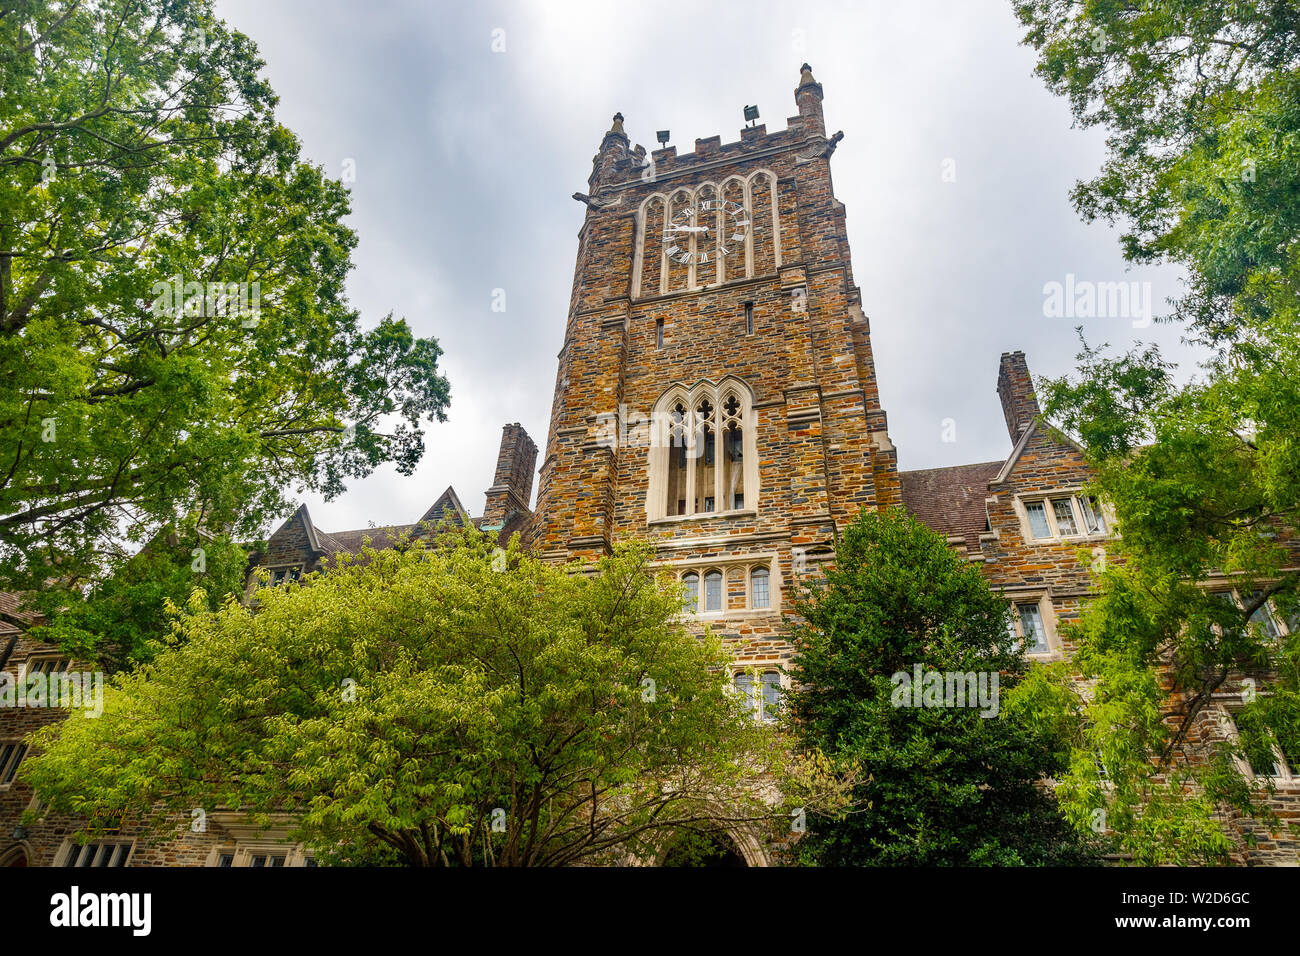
(750, 573)
(715, 576)
(42, 659)
(693, 589)
(1289, 776)
(728, 568)
(1281, 627)
(11, 761)
(677, 451)
(243, 855)
(72, 850)
(754, 691)
(296, 569)
(1074, 498)
(1046, 615)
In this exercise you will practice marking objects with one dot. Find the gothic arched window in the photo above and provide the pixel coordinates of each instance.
(713, 591)
(722, 255)
(702, 458)
(677, 460)
(691, 589)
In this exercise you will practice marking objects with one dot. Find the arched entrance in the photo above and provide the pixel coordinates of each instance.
(14, 856)
(711, 849)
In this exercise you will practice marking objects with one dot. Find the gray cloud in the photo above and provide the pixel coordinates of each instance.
(466, 159)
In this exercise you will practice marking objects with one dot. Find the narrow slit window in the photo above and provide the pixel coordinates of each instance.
(677, 461)
(713, 591)
(705, 457)
(659, 333)
(760, 593)
(749, 318)
(771, 696)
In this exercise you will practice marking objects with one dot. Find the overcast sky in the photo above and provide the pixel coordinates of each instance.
(955, 169)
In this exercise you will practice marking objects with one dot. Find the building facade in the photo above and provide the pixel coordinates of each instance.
(716, 392)
(716, 395)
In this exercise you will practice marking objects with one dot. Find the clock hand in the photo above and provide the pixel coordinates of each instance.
(690, 229)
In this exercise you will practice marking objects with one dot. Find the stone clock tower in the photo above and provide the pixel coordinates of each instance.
(716, 392)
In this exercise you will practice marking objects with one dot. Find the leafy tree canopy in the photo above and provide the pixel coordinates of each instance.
(174, 334)
(118, 621)
(940, 785)
(1201, 102)
(436, 705)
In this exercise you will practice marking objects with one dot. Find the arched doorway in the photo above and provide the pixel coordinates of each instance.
(14, 856)
(711, 849)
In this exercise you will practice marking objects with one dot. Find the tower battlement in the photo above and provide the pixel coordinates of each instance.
(620, 165)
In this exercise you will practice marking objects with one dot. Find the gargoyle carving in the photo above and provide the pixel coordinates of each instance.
(824, 152)
(597, 202)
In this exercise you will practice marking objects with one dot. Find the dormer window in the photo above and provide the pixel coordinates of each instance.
(285, 574)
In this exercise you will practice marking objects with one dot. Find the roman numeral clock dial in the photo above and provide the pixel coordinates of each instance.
(697, 233)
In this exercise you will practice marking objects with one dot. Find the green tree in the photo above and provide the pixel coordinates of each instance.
(174, 334)
(1207, 496)
(118, 621)
(434, 705)
(1201, 103)
(940, 785)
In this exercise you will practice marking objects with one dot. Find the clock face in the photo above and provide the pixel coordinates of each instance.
(717, 227)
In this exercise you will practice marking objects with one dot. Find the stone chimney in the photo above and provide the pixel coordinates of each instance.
(1016, 389)
(512, 485)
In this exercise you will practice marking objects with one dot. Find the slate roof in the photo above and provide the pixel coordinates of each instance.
(381, 539)
(12, 618)
(448, 504)
(951, 500)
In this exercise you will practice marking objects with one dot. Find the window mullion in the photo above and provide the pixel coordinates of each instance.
(692, 449)
(720, 464)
